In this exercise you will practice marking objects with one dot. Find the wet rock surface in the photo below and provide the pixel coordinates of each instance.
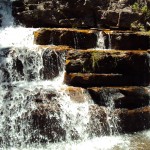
(121, 97)
(30, 65)
(108, 61)
(107, 68)
(134, 120)
(78, 39)
(88, 38)
(127, 40)
(99, 80)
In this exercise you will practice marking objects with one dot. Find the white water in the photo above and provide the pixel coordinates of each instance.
(100, 41)
(17, 100)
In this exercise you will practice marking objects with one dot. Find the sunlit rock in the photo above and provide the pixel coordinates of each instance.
(64, 36)
(77, 94)
(108, 61)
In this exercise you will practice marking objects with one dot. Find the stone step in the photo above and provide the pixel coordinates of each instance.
(127, 40)
(86, 39)
(133, 120)
(99, 80)
(79, 39)
(130, 63)
(121, 97)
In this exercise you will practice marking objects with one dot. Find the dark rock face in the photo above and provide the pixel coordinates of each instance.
(127, 40)
(134, 120)
(1, 20)
(85, 14)
(111, 61)
(90, 80)
(107, 68)
(79, 39)
(87, 39)
(60, 13)
(121, 97)
(53, 62)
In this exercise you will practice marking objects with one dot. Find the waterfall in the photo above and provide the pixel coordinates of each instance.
(37, 110)
(22, 85)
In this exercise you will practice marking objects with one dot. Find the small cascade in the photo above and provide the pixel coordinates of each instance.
(100, 41)
(31, 83)
(39, 111)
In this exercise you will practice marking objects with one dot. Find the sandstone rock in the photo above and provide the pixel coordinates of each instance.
(127, 40)
(71, 37)
(39, 13)
(84, 39)
(121, 97)
(129, 63)
(77, 94)
(134, 120)
(99, 80)
(85, 14)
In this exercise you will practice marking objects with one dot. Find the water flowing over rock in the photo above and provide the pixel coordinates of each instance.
(77, 74)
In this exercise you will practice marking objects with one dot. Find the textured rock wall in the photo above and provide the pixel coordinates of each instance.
(122, 14)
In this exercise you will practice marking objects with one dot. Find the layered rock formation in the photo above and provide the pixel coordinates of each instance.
(122, 14)
(116, 80)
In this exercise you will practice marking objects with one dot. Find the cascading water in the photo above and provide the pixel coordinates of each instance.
(100, 41)
(23, 85)
(24, 91)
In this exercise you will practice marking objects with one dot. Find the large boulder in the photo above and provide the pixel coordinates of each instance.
(121, 97)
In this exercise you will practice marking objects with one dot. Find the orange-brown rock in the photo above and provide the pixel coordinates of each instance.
(77, 94)
(79, 39)
(121, 97)
(127, 40)
(108, 61)
(134, 120)
(99, 80)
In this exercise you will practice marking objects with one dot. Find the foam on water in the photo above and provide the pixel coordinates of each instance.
(16, 36)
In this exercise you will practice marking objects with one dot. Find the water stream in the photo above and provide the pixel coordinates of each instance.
(21, 88)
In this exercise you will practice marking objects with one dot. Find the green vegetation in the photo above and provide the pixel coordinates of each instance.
(144, 11)
(137, 26)
(136, 7)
